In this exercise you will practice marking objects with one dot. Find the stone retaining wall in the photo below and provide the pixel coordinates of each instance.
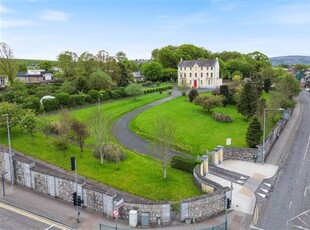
(244, 154)
(60, 184)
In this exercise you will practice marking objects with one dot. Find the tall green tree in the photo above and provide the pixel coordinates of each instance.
(152, 71)
(86, 64)
(247, 104)
(170, 74)
(168, 57)
(46, 65)
(254, 133)
(8, 65)
(28, 122)
(67, 62)
(99, 80)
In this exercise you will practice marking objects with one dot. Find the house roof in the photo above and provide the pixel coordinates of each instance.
(200, 63)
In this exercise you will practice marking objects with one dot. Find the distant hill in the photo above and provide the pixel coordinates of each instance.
(32, 61)
(290, 60)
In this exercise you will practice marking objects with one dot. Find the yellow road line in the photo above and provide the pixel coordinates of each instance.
(33, 216)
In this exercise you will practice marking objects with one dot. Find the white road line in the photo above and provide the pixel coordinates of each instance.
(256, 228)
(298, 215)
(262, 195)
(307, 147)
(305, 191)
(300, 170)
(50, 227)
(300, 227)
(269, 185)
(302, 221)
(264, 190)
(290, 205)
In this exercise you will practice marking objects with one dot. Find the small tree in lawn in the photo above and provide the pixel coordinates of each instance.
(134, 90)
(99, 126)
(225, 93)
(267, 85)
(247, 104)
(28, 122)
(254, 133)
(183, 88)
(164, 132)
(79, 132)
(192, 94)
(209, 102)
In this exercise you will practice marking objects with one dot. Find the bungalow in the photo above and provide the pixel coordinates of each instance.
(35, 76)
(137, 76)
(200, 73)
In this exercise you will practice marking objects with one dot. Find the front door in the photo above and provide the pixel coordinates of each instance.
(195, 83)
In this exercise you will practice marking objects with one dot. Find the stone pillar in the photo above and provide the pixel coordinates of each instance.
(220, 152)
(205, 165)
(215, 156)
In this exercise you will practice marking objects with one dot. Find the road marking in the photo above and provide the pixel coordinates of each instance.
(307, 147)
(50, 227)
(305, 212)
(305, 191)
(269, 185)
(242, 178)
(265, 190)
(290, 205)
(33, 216)
(302, 221)
(300, 170)
(300, 227)
(256, 228)
(262, 195)
(255, 215)
(240, 182)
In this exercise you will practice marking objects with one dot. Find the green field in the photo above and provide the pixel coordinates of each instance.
(139, 175)
(196, 130)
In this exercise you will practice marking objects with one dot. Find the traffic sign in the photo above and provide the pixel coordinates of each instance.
(115, 213)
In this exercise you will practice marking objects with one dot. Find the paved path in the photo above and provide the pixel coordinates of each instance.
(122, 132)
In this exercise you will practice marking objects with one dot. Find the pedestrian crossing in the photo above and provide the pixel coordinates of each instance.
(264, 190)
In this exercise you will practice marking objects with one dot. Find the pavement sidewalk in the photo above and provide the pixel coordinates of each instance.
(65, 213)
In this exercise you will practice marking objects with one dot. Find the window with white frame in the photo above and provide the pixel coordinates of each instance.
(195, 74)
(201, 74)
(190, 74)
(211, 74)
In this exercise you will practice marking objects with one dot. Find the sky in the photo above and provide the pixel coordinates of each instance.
(42, 29)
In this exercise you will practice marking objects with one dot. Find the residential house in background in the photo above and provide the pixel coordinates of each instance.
(35, 76)
(200, 73)
(137, 76)
(3, 81)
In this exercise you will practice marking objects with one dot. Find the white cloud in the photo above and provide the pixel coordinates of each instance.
(15, 23)
(4, 10)
(54, 15)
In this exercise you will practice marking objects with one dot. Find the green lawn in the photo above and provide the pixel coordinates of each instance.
(196, 131)
(138, 174)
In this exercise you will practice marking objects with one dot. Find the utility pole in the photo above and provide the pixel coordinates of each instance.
(74, 195)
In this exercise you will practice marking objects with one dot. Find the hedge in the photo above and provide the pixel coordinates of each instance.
(158, 89)
(63, 100)
(76, 100)
(184, 164)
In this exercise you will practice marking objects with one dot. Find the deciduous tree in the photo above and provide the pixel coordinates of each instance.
(134, 90)
(80, 132)
(8, 65)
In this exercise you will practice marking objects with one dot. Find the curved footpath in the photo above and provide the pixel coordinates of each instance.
(122, 132)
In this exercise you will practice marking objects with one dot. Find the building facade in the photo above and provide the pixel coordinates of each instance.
(200, 73)
(35, 76)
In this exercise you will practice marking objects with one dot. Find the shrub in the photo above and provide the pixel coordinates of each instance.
(94, 95)
(32, 103)
(221, 117)
(184, 164)
(63, 100)
(76, 100)
(50, 105)
(215, 92)
(111, 152)
(192, 94)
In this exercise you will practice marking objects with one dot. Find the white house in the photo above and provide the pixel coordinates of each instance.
(137, 76)
(35, 76)
(200, 73)
(3, 81)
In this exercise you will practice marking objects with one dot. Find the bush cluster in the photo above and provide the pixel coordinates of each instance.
(192, 94)
(184, 164)
(111, 152)
(158, 89)
(221, 117)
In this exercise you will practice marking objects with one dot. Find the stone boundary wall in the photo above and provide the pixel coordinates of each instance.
(203, 206)
(60, 184)
(243, 154)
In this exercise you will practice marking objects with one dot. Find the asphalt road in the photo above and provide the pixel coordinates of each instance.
(288, 206)
(15, 218)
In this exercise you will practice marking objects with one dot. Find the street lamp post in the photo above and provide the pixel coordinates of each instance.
(99, 101)
(10, 150)
(264, 130)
